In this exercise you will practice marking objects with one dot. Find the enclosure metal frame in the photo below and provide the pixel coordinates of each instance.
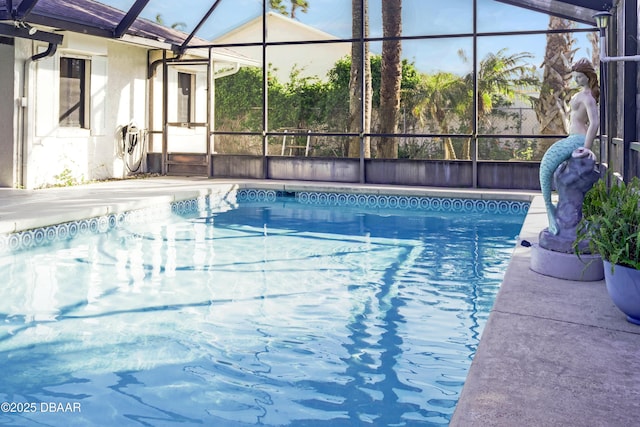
(624, 112)
(473, 135)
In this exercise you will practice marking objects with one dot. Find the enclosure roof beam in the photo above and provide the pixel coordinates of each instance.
(23, 9)
(21, 32)
(197, 28)
(130, 17)
(575, 10)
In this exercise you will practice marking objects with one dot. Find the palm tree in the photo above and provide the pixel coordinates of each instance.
(551, 105)
(358, 99)
(176, 25)
(439, 98)
(277, 5)
(500, 77)
(391, 77)
(295, 4)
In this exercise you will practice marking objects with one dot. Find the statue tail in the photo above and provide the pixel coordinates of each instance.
(555, 155)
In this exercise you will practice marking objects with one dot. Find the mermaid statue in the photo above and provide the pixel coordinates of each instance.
(584, 123)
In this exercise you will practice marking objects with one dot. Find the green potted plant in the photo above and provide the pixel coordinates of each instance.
(611, 225)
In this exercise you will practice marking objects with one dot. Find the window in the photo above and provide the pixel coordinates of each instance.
(74, 92)
(186, 83)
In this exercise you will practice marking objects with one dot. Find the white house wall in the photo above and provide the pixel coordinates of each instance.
(127, 98)
(118, 96)
(306, 61)
(310, 61)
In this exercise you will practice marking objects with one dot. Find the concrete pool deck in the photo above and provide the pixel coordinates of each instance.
(553, 353)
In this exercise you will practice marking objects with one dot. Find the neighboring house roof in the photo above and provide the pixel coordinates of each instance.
(302, 31)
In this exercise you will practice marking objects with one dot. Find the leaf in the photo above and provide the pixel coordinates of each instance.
(611, 221)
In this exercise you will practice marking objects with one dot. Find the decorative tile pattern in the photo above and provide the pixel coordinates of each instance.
(203, 205)
(432, 204)
(69, 230)
(185, 207)
(251, 195)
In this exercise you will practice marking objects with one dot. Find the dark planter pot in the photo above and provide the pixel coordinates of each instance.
(623, 286)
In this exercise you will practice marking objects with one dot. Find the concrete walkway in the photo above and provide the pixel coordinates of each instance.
(553, 353)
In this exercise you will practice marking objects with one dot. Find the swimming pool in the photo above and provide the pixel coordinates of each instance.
(257, 307)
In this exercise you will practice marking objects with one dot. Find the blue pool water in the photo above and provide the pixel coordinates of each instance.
(251, 309)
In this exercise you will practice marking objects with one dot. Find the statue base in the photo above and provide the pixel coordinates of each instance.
(562, 242)
(587, 268)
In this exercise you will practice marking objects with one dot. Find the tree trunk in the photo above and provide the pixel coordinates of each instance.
(594, 39)
(551, 107)
(449, 150)
(390, 77)
(466, 151)
(359, 51)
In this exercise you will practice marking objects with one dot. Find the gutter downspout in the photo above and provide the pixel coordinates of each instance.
(24, 103)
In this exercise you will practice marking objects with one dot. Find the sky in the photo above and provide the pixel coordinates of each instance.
(420, 17)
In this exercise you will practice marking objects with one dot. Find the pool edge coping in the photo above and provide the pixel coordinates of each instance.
(210, 187)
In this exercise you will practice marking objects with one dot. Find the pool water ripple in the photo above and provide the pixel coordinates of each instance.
(271, 312)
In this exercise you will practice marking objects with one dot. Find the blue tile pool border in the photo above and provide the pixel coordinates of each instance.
(43, 236)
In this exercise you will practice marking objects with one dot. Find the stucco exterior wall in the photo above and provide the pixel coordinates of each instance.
(127, 97)
(118, 95)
